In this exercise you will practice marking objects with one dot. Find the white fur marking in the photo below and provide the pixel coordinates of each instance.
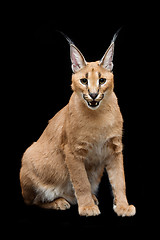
(48, 193)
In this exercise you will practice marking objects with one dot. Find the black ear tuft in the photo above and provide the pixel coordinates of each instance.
(67, 38)
(77, 59)
(107, 59)
(115, 35)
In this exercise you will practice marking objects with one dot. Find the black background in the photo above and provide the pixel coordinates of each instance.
(39, 86)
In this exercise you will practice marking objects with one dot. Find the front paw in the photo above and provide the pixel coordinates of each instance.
(124, 210)
(90, 210)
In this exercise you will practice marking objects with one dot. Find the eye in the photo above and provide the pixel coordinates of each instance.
(102, 81)
(84, 81)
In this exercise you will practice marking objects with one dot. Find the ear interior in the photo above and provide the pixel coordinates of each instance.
(107, 59)
(77, 58)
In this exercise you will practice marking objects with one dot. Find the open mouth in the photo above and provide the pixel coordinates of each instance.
(93, 104)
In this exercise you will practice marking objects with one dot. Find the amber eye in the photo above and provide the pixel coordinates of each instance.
(84, 81)
(102, 80)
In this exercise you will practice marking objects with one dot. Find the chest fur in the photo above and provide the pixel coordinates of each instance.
(88, 134)
(98, 148)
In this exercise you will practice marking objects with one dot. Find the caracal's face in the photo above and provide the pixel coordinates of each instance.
(92, 81)
(93, 84)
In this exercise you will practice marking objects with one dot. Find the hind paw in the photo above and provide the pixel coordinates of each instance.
(57, 204)
(61, 204)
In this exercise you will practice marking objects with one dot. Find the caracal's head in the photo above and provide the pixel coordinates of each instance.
(92, 81)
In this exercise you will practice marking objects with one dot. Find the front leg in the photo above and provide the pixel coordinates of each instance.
(79, 179)
(116, 176)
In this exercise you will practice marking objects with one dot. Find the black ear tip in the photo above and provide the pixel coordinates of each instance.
(115, 35)
(66, 37)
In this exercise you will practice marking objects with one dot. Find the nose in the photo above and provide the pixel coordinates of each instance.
(93, 95)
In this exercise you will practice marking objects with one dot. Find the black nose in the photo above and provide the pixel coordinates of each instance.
(93, 95)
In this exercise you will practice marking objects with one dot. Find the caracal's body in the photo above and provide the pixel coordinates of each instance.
(67, 162)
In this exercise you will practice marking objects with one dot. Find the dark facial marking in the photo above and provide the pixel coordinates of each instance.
(99, 74)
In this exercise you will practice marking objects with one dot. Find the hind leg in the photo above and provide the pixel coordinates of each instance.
(57, 204)
(28, 191)
(32, 197)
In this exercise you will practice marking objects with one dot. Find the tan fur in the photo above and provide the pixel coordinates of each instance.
(67, 162)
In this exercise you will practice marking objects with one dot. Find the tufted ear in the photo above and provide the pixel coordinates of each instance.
(107, 59)
(77, 59)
